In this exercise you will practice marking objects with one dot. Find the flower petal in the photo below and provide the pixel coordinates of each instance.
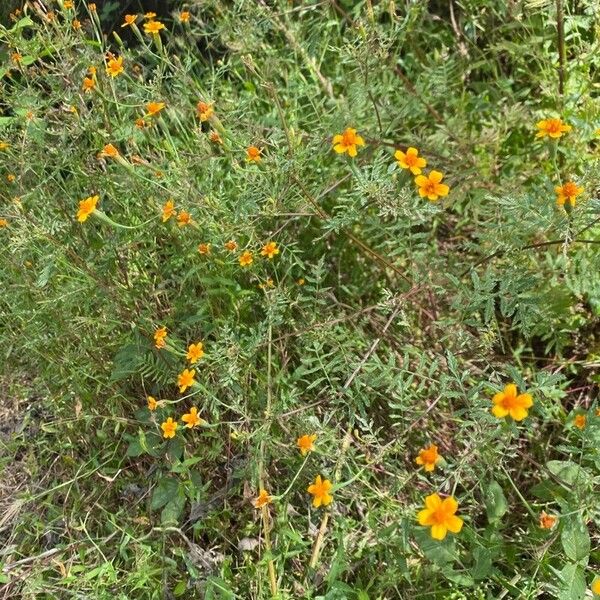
(525, 400)
(438, 532)
(454, 524)
(435, 176)
(450, 505)
(518, 413)
(433, 501)
(424, 517)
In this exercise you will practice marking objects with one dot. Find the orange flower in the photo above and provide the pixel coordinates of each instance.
(552, 127)
(430, 186)
(186, 380)
(306, 443)
(3, 223)
(567, 193)
(195, 352)
(547, 521)
(169, 428)
(168, 210)
(109, 151)
(270, 249)
(88, 84)
(152, 403)
(596, 587)
(159, 337)
(440, 516)
(154, 108)
(68, 4)
(301, 281)
(114, 66)
(263, 499)
(184, 218)
(205, 110)
(150, 15)
(140, 123)
(580, 421)
(192, 419)
(153, 27)
(204, 248)
(410, 160)
(428, 457)
(347, 142)
(184, 16)
(253, 154)
(509, 402)
(320, 492)
(129, 20)
(86, 208)
(76, 24)
(92, 7)
(231, 246)
(10, 178)
(214, 137)
(246, 259)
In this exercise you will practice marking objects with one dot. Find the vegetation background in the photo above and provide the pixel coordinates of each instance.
(386, 323)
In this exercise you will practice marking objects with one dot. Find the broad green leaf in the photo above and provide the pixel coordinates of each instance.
(575, 539)
(573, 584)
(495, 501)
(164, 492)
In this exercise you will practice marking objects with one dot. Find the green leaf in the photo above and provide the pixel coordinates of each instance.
(483, 563)
(439, 552)
(495, 502)
(164, 492)
(180, 589)
(573, 584)
(567, 471)
(172, 511)
(575, 539)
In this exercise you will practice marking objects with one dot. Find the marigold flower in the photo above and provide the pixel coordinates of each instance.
(76, 24)
(109, 151)
(430, 186)
(410, 160)
(86, 208)
(169, 428)
(192, 419)
(246, 259)
(140, 123)
(320, 492)
(547, 521)
(567, 193)
(92, 7)
(168, 210)
(580, 421)
(154, 108)
(204, 248)
(3, 223)
(159, 337)
(184, 218)
(231, 246)
(195, 352)
(428, 458)
(596, 587)
(509, 402)
(186, 379)
(301, 281)
(269, 283)
(152, 403)
(306, 443)
(150, 15)
(552, 127)
(440, 516)
(347, 142)
(253, 154)
(68, 4)
(184, 16)
(4, 145)
(114, 66)
(153, 27)
(214, 137)
(10, 178)
(88, 84)
(270, 249)
(205, 110)
(263, 499)
(129, 20)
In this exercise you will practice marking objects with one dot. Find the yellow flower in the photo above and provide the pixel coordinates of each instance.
(10, 178)
(567, 193)
(246, 259)
(150, 15)
(205, 110)
(88, 84)
(410, 160)
(306, 443)
(269, 283)
(430, 186)
(159, 337)
(320, 492)
(580, 421)
(263, 499)
(4, 145)
(347, 142)
(92, 7)
(152, 403)
(204, 248)
(547, 521)
(129, 20)
(186, 379)
(596, 587)
(86, 208)
(440, 516)
(154, 108)
(68, 4)
(169, 428)
(109, 151)
(192, 419)
(253, 154)
(509, 402)
(184, 218)
(428, 457)
(3, 223)
(168, 210)
(552, 127)
(301, 281)
(114, 66)
(195, 352)
(270, 249)
(231, 246)
(153, 27)
(76, 24)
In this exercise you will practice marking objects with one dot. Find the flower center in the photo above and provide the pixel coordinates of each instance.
(348, 138)
(553, 126)
(410, 160)
(569, 189)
